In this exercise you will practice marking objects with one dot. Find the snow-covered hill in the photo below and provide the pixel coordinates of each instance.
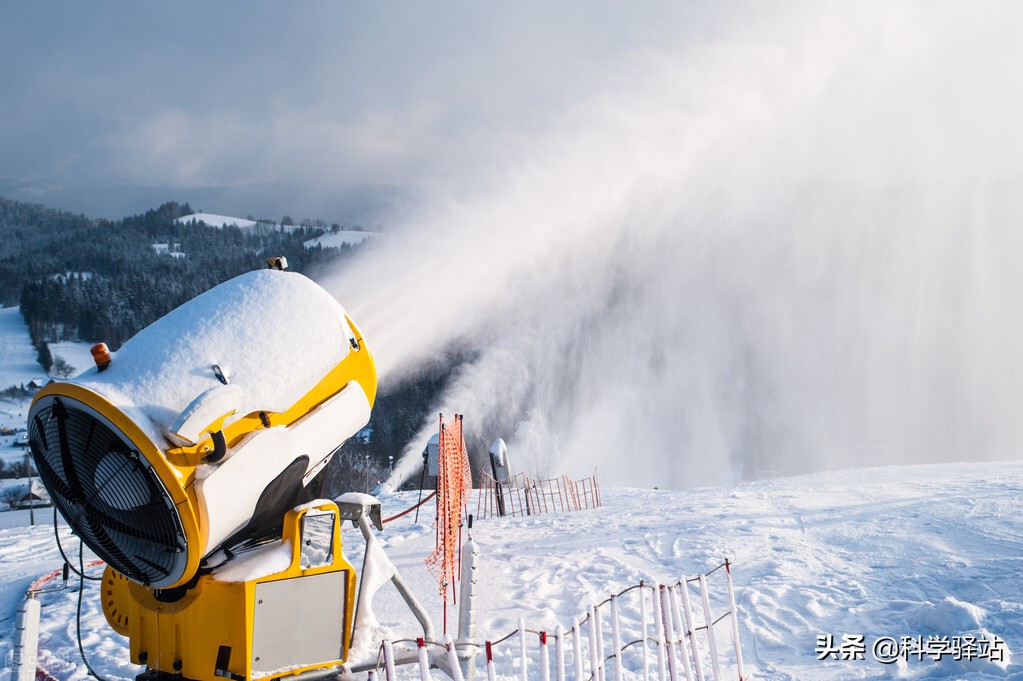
(214, 220)
(878, 552)
(339, 239)
(328, 240)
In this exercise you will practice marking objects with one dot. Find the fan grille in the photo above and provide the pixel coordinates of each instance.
(107, 492)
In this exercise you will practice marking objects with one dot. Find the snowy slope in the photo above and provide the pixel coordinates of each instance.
(899, 551)
(19, 363)
(341, 238)
(18, 366)
(214, 220)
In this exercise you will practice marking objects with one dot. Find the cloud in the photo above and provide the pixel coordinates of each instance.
(180, 147)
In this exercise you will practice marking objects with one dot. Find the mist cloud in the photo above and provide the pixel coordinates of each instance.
(792, 248)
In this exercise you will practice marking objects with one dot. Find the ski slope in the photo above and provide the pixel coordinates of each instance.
(878, 552)
(18, 364)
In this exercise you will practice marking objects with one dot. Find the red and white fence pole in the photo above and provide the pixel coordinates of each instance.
(643, 621)
(709, 619)
(424, 660)
(600, 643)
(577, 650)
(688, 609)
(593, 642)
(677, 621)
(735, 620)
(389, 661)
(668, 633)
(545, 658)
(522, 648)
(559, 653)
(616, 639)
(491, 671)
(658, 630)
(456, 669)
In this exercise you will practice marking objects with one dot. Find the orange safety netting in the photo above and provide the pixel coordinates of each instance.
(454, 486)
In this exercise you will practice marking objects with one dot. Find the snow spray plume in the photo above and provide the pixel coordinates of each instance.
(795, 247)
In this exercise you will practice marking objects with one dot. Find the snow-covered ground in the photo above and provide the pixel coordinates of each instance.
(78, 355)
(878, 552)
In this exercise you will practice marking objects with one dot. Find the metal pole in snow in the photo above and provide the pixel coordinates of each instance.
(559, 653)
(687, 608)
(545, 659)
(677, 621)
(424, 660)
(467, 609)
(522, 647)
(658, 629)
(643, 621)
(26, 636)
(389, 661)
(668, 633)
(616, 639)
(600, 642)
(709, 619)
(735, 620)
(577, 650)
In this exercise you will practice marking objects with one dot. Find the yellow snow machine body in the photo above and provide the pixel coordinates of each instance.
(188, 462)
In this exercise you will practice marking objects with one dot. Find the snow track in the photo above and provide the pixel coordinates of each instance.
(897, 551)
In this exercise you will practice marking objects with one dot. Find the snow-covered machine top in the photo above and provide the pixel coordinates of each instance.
(273, 334)
(206, 427)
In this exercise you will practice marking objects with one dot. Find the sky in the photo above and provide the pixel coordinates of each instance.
(310, 97)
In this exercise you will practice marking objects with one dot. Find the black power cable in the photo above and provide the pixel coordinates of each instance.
(78, 620)
(56, 535)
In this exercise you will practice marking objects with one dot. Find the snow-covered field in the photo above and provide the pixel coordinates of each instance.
(878, 552)
(78, 355)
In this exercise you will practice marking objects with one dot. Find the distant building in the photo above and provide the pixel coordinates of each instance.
(32, 495)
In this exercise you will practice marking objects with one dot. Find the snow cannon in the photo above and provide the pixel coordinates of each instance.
(197, 445)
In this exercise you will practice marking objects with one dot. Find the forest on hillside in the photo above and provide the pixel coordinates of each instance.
(103, 280)
(93, 280)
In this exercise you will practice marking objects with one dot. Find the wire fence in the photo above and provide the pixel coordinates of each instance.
(667, 632)
(522, 495)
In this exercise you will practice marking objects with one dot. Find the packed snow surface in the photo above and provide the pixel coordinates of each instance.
(897, 551)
